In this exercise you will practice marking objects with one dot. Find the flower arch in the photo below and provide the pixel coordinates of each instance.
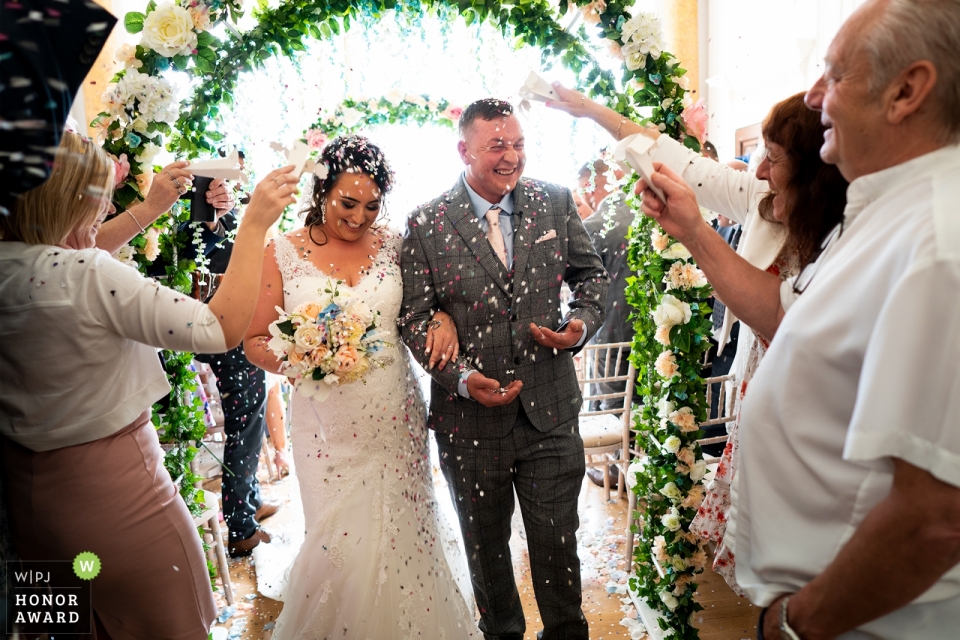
(141, 115)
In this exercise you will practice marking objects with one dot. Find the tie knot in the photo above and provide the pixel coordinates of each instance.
(493, 215)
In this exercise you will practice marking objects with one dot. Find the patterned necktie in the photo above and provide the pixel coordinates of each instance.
(494, 235)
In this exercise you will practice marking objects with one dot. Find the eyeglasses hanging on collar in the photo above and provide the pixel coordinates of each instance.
(806, 274)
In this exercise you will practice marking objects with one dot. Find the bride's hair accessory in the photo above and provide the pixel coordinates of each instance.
(347, 154)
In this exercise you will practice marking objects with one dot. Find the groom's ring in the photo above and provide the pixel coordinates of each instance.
(435, 324)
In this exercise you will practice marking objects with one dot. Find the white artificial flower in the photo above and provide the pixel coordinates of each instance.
(417, 99)
(635, 467)
(149, 152)
(672, 444)
(351, 117)
(679, 564)
(633, 58)
(672, 311)
(359, 309)
(307, 337)
(671, 520)
(373, 104)
(671, 491)
(707, 215)
(168, 30)
(665, 408)
(698, 470)
(667, 102)
(394, 97)
(684, 275)
(676, 251)
(140, 125)
(433, 105)
(125, 255)
(660, 241)
(127, 56)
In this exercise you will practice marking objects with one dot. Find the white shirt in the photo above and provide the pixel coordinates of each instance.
(864, 368)
(734, 194)
(78, 338)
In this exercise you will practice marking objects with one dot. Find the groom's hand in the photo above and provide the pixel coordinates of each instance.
(488, 391)
(569, 336)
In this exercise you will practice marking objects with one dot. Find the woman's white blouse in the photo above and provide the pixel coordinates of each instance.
(79, 333)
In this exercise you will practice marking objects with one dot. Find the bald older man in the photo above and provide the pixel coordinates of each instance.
(847, 502)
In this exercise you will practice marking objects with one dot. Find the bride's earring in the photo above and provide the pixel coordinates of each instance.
(323, 211)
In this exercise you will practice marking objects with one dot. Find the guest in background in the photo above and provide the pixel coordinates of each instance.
(607, 229)
(243, 392)
(583, 209)
(786, 209)
(76, 468)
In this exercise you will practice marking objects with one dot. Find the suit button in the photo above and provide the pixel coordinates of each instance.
(516, 360)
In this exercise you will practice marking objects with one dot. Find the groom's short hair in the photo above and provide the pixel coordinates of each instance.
(483, 109)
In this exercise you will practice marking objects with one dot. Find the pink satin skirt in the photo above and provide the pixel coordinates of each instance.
(114, 497)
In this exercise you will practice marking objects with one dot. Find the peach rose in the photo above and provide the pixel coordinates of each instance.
(698, 560)
(666, 365)
(684, 419)
(663, 335)
(144, 182)
(694, 498)
(295, 356)
(347, 358)
(319, 354)
(660, 240)
(686, 456)
(310, 310)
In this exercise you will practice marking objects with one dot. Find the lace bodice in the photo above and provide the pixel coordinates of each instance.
(362, 463)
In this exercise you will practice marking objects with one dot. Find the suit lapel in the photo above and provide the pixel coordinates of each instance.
(525, 211)
(460, 212)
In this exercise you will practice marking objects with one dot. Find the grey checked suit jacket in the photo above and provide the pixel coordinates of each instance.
(448, 264)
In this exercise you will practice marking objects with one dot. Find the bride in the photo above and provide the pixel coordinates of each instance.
(372, 563)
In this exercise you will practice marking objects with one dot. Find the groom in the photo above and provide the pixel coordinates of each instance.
(493, 252)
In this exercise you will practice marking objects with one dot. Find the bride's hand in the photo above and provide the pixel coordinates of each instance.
(443, 344)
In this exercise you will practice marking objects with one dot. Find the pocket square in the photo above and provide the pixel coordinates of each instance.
(549, 235)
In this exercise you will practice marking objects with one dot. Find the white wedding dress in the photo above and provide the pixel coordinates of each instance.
(374, 560)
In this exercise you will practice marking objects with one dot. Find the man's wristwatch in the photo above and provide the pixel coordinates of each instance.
(785, 629)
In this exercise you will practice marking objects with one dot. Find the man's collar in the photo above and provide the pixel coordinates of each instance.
(481, 206)
(869, 188)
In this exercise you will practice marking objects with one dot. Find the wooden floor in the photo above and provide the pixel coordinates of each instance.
(602, 550)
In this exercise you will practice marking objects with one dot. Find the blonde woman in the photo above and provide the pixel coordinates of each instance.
(82, 466)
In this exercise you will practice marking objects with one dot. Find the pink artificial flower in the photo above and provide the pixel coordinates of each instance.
(316, 138)
(695, 120)
(452, 113)
(121, 169)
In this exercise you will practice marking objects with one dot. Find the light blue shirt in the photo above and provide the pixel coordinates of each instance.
(480, 208)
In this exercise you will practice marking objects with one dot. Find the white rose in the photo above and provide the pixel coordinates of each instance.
(693, 277)
(140, 125)
(351, 117)
(672, 444)
(671, 520)
(307, 337)
(672, 311)
(125, 255)
(394, 97)
(632, 471)
(676, 251)
(150, 150)
(665, 408)
(168, 30)
(679, 564)
(669, 599)
(373, 104)
(633, 58)
(698, 470)
(671, 491)
(416, 99)
(360, 310)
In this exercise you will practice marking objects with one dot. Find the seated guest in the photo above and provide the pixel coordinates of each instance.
(794, 196)
(81, 460)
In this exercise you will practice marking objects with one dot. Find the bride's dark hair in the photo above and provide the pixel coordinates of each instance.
(347, 154)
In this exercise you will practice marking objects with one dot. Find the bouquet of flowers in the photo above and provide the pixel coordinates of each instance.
(329, 342)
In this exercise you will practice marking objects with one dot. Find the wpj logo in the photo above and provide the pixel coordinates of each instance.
(51, 597)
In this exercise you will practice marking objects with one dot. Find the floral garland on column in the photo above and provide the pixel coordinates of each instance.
(140, 108)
